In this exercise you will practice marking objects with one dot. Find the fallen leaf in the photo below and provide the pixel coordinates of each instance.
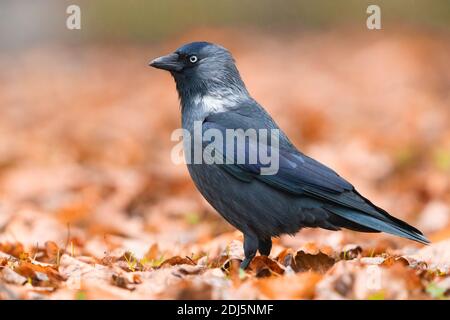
(391, 260)
(285, 257)
(152, 253)
(124, 281)
(14, 249)
(318, 261)
(264, 267)
(297, 286)
(53, 252)
(176, 261)
(39, 275)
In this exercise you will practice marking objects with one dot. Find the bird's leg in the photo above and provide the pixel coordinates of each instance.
(264, 246)
(250, 248)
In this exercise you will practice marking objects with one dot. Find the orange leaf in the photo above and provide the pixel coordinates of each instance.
(298, 286)
(264, 266)
(176, 261)
(319, 262)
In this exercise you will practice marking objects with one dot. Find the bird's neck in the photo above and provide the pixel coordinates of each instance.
(203, 98)
(196, 107)
(188, 88)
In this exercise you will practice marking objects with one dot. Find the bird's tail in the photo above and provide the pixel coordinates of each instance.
(386, 223)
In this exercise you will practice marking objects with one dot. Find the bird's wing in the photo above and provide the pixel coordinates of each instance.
(302, 175)
(297, 173)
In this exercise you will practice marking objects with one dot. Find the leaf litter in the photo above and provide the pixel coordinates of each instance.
(92, 207)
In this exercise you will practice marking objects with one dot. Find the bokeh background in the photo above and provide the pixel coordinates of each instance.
(85, 124)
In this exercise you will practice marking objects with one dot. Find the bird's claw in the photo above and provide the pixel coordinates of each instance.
(245, 263)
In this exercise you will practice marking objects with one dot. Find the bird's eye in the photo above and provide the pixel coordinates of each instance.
(193, 59)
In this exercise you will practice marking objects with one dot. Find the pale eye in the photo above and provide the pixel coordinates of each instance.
(193, 59)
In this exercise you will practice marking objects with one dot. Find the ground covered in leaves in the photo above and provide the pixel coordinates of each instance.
(91, 207)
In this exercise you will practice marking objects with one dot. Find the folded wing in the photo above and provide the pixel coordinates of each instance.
(298, 174)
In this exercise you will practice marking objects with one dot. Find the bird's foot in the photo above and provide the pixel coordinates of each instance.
(245, 263)
(250, 248)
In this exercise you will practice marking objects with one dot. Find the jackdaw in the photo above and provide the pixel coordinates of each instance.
(300, 193)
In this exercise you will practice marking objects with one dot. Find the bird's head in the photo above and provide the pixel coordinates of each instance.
(201, 67)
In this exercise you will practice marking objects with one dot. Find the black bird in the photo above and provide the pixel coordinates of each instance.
(302, 193)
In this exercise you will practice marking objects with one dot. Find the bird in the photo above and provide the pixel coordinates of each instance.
(302, 193)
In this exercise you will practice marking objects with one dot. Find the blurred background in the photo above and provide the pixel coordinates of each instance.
(85, 125)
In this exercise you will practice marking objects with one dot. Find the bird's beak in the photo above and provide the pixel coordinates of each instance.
(169, 62)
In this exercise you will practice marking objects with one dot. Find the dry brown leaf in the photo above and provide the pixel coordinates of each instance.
(314, 249)
(285, 257)
(3, 262)
(297, 286)
(125, 281)
(39, 275)
(216, 262)
(185, 270)
(53, 252)
(264, 267)
(318, 261)
(391, 260)
(14, 249)
(176, 261)
(152, 253)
